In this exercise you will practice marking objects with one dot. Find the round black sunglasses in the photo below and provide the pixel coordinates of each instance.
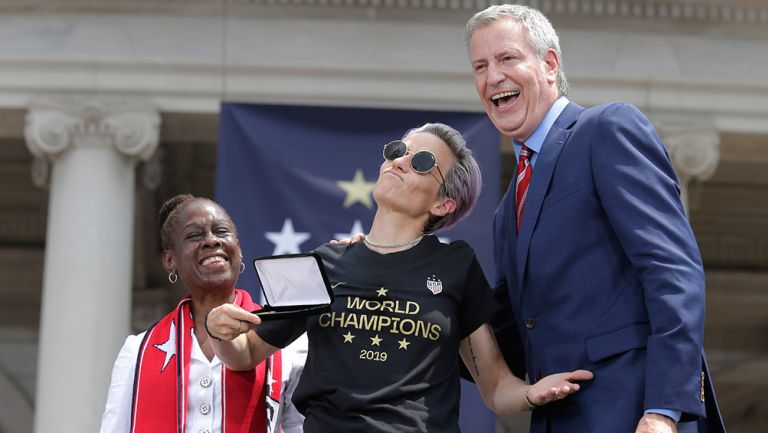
(422, 162)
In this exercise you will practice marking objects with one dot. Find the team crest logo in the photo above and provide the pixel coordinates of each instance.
(434, 285)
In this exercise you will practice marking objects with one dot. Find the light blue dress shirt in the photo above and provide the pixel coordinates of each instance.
(536, 140)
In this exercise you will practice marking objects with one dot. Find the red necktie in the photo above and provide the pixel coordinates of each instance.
(524, 172)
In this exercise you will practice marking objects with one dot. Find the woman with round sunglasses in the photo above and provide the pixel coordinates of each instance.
(384, 358)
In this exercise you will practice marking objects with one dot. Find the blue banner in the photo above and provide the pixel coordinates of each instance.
(293, 178)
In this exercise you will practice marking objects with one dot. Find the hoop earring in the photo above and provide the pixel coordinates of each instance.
(242, 267)
(173, 277)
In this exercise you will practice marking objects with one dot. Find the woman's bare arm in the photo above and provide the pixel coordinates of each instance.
(502, 391)
(234, 339)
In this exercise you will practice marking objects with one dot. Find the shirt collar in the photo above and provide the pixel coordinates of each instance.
(196, 353)
(536, 140)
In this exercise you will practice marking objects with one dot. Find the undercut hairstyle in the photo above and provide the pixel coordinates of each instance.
(463, 181)
(541, 35)
(167, 217)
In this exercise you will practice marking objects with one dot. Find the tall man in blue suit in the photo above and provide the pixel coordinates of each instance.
(598, 268)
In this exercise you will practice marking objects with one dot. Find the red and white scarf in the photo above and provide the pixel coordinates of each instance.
(249, 402)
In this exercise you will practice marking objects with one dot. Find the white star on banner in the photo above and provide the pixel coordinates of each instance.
(287, 240)
(444, 240)
(357, 227)
(169, 347)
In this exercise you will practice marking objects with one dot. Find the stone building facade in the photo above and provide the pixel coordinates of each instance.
(107, 107)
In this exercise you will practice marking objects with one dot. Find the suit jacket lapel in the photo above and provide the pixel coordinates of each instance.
(542, 175)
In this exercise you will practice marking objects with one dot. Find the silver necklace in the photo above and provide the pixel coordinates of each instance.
(410, 243)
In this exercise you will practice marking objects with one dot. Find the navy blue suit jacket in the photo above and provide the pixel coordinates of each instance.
(605, 275)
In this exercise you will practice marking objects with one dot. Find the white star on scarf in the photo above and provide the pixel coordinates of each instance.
(169, 347)
(271, 381)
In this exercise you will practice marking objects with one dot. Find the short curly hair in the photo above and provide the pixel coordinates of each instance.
(167, 216)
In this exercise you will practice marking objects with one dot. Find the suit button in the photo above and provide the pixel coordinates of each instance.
(530, 323)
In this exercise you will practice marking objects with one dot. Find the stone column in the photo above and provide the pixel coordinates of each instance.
(91, 147)
(695, 153)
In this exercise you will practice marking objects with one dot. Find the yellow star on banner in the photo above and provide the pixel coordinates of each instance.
(358, 190)
(348, 337)
(382, 292)
(375, 340)
(403, 344)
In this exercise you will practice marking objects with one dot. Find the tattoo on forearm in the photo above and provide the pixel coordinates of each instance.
(474, 358)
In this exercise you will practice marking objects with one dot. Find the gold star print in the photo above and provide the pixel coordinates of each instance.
(382, 292)
(348, 337)
(375, 340)
(404, 344)
(358, 190)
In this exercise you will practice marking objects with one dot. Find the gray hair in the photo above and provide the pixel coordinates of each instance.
(463, 181)
(541, 34)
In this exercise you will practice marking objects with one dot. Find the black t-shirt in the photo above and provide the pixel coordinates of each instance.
(385, 358)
